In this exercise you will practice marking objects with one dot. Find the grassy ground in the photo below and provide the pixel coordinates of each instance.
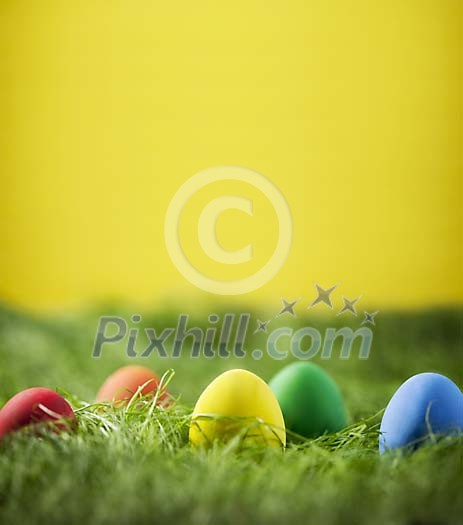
(135, 465)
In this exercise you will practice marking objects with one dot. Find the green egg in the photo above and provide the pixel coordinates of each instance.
(310, 400)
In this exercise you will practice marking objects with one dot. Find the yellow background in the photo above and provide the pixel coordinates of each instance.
(352, 108)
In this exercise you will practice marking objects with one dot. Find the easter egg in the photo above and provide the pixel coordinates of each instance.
(125, 382)
(36, 405)
(238, 403)
(309, 399)
(425, 404)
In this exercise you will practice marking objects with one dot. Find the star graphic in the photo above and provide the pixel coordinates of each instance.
(369, 318)
(349, 305)
(261, 326)
(323, 296)
(288, 307)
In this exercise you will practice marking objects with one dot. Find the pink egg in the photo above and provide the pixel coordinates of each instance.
(122, 385)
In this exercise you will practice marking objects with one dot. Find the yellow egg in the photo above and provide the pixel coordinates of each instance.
(238, 403)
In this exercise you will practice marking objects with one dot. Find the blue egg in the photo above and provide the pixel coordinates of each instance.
(425, 404)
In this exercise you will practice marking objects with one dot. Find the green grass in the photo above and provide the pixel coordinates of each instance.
(135, 464)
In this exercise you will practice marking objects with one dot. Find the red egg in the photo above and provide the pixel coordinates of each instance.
(36, 405)
(125, 382)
